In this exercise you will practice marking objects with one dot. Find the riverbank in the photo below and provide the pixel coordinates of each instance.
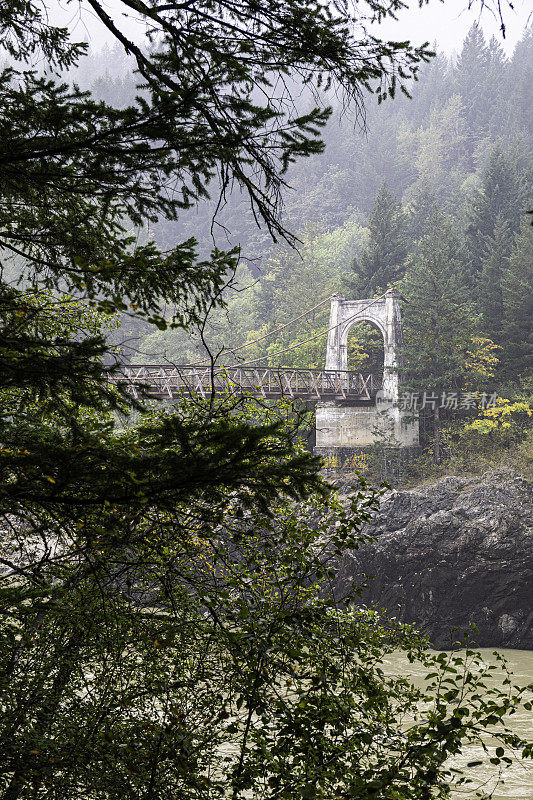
(451, 554)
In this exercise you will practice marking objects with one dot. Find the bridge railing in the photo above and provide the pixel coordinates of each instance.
(174, 381)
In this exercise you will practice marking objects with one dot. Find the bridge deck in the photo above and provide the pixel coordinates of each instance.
(265, 382)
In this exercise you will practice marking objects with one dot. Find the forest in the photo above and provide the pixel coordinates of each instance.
(431, 196)
(170, 625)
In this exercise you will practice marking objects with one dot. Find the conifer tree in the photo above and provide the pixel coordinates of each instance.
(498, 89)
(489, 291)
(422, 208)
(517, 358)
(381, 262)
(434, 83)
(520, 82)
(439, 318)
(497, 199)
(470, 81)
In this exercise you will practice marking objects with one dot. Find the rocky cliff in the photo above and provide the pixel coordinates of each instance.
(451, 553)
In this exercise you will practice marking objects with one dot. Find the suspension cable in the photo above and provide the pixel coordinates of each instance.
(282, 327)
(266, 336)
(311, 338)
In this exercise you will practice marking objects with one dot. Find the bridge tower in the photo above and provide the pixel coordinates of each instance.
(344, 427)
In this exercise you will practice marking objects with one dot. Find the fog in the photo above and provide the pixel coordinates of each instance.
(445, 23)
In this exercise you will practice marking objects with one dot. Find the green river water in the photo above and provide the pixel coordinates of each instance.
(518, 779)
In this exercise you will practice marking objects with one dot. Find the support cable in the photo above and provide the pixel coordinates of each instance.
(311, 338)
(266, 336)
(294, 346)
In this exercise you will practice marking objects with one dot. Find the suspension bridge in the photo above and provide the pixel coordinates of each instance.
(346, 412)
(256, 379)
(171, 382)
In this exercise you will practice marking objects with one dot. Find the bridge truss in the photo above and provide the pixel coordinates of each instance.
(265, 382)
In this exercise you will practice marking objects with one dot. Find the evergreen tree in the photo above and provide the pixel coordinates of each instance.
(442, 158)
(497, 81)
(517, 358)
(470, 81)
(495, 200)
(421, 209)
(489, 290)
(439, 319)
(434, 87)
(381, 262)
(520, 82)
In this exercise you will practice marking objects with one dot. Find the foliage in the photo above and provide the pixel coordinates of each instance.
(480, 362)
(365, 349)
(292, 280)
(441, 153)
(37, 328)
(440, 321)
(504, 422)
(442, 351)
(490, 289)
(494, 209)
(166, 626)
(386, 455)
(192, 650)
(498, 436)
(517, 290)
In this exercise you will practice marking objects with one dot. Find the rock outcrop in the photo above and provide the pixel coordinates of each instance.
(452, 553)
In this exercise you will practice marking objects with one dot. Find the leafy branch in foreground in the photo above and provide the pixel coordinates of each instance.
(215, 107)
(197, 652)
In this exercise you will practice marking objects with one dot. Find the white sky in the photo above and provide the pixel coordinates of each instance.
(448, 23)
(445, 23)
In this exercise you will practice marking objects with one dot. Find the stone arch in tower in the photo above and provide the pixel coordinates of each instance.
(384, 313)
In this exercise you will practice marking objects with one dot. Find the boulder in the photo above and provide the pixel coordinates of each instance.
(452, 553)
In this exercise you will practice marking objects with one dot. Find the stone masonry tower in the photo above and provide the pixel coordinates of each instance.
(343, 426)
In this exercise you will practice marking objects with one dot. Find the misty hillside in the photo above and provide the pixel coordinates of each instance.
(456, 157)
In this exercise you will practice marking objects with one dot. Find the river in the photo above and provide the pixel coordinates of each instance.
(519, 777)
